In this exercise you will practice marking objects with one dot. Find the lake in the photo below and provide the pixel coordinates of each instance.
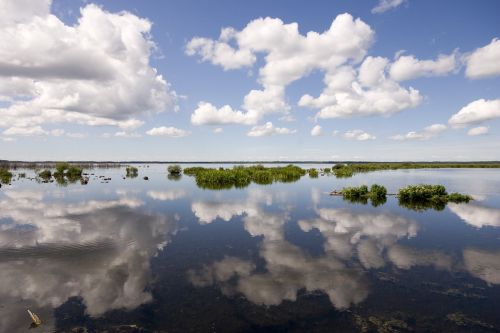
(162, 255)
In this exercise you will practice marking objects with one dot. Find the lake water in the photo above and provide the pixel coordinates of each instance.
(162, 255)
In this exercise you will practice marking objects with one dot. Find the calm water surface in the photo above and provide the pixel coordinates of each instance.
(165, 256)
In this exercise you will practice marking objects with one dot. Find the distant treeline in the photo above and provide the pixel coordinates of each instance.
(12, 165)
(349, 169)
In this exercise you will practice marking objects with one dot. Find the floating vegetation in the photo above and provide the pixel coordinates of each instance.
(132, 172)
(241, 176)
(349, 169)
(423, 196)
(377, 194)
(174, 169)
(5, 176)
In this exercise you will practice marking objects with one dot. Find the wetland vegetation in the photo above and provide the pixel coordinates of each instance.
(344, 170)
(376, 194)
(174, 170)
(5, 176)
(242, 176)
(131, 171)
(424, 196)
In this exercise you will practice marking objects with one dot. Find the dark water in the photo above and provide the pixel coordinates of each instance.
(164, 256)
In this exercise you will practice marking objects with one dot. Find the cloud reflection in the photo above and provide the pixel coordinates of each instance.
(477, 216)
(97, 250)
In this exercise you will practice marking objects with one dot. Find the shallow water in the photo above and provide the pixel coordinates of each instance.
(165, 256)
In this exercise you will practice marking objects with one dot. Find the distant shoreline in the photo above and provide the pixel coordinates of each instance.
(245, 162)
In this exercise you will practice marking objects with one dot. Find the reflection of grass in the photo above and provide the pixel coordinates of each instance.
(174, 177)
(423, 196)
(348, 170)
(5, 176)
(240, 176)
(377, 194)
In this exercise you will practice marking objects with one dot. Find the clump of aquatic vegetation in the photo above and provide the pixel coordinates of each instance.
(5, 176)
(132, 172)
(416, 197)
(377, 194)
(174, 169)
(67, 172)
(342, 170)
(313, 173)
(424, 196)
(242, 176)
(45, 174)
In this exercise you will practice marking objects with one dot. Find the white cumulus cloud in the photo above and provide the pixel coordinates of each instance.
(476, 112)
(427, 133)
(95, 72)
(209, 114)
(268, 129)
(316, 131)
(480, 130)
(359, 135)
(484, 61)
(351, 90)
(408, 67)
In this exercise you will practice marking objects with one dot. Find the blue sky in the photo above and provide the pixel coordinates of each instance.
(123, 80)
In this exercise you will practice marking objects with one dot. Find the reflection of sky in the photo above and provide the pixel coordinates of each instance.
(355, 239)
(96, 241)
(98, 250)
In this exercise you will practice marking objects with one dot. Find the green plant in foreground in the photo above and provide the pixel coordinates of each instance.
(174, 169)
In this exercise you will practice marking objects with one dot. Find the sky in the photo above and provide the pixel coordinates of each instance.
(377, 80)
